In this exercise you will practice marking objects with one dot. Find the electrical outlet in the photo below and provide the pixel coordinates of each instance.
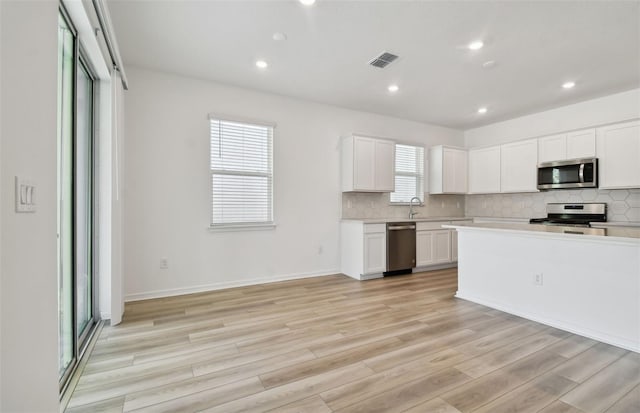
(164, 263)
(537, 279)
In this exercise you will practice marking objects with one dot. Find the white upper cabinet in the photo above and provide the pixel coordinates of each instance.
(518, 170)
(572, 145)
(484, 170)
(618, 149)
(581, 144)
(552, 148)
(368, 164)
(447, 170)
(385, 165)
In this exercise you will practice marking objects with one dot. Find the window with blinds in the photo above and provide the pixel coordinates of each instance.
(241, 173)
(409, 174)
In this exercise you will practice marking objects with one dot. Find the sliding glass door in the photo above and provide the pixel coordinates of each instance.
(84, 202)
(76, 97)
(66, 104)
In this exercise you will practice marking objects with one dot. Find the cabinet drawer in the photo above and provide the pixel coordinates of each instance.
(374, 228)
(421, 226)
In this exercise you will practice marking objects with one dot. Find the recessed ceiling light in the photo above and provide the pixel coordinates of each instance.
(307, 2)
(475, 45)
(568, 85)
(261, 64)
(489, 64)
(482, 110)
(279, 36)
(393, 88)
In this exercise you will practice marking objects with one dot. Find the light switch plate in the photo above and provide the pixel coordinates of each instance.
(25, 195)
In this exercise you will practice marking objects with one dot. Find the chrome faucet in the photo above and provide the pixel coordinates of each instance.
(411, 213)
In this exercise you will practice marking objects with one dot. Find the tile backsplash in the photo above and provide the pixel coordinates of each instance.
(376, 205)
(623, 205)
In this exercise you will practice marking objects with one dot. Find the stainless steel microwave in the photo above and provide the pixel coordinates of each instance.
(575, 173)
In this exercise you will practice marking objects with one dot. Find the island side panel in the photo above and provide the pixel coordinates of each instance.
(588, 288)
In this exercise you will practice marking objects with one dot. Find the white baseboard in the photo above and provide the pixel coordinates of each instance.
(622, 342)
(224, 285)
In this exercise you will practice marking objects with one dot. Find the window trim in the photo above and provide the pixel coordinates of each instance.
(395, 173)
(243, 226)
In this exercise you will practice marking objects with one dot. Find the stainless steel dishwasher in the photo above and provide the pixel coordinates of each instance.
(401, 247)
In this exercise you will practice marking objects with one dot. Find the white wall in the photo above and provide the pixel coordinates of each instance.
(29, 312)
(609, 109)
(167, 194)
(1, 139)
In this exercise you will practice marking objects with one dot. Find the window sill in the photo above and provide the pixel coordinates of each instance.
(241, 227)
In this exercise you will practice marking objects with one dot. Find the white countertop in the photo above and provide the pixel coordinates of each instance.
(385, 220)
(615, 233)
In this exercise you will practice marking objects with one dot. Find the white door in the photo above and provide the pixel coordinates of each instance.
(581, 144)
(363, 163)
(442, 243)
(375, 252)
(424, 248)
(618, 148)
(385, 159)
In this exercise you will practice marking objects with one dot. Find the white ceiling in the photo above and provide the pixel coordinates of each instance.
(537, 45)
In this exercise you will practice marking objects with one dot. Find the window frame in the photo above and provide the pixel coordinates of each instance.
(422, 176)
(243, 226)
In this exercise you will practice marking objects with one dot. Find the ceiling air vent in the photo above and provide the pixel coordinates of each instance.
(383, 60)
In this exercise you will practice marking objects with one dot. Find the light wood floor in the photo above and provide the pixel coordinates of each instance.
(333, 344)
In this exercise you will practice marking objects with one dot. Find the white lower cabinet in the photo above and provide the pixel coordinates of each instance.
(436, 245)
(363, 249)
(433, 244)
(442, 246)
(375, 252)
(424, 248)
(433, 247)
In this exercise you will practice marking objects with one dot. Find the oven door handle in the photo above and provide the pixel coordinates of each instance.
(581, 173)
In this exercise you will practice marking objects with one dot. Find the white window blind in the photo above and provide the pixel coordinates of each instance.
(409, 173)
(241, 173)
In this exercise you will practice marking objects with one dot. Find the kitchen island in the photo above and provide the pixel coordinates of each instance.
(583, 280)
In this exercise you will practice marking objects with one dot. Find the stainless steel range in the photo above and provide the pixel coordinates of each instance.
(573, 214)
